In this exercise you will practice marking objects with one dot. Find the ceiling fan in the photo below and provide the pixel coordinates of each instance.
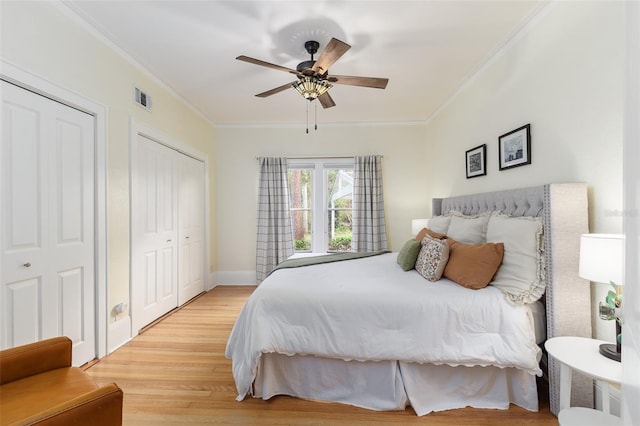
(314, 79)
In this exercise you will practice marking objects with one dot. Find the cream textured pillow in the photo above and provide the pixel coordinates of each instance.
(439, 224)
(521, 276)
(468, 229)
(473, 265)
(432, 258)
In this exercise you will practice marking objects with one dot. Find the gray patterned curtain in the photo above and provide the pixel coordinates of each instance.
(275, 235)
(369, 229)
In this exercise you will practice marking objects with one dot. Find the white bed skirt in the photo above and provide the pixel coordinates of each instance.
(392, 385)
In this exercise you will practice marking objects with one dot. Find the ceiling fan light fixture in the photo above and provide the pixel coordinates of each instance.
(311, 87)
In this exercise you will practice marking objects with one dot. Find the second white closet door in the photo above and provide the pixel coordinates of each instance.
(154, 232)
(168, 230)
(191, 228)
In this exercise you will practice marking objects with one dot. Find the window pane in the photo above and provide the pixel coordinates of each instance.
(339, 208)
(302, 230)
(301, 205)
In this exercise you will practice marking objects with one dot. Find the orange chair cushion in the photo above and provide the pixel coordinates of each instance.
(34, 394)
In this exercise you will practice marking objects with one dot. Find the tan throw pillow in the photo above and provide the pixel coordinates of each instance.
(432, 258)
(430, 233)
(473, 265)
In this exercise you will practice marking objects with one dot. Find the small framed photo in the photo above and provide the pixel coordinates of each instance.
(477, 161)
(514, 148)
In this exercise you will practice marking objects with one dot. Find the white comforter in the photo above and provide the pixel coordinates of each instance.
(370, 309)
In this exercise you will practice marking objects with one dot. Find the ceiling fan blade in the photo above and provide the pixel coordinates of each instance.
(374, 82)
(331, 53)
(276, 90)
(326, 100)
(266, 64)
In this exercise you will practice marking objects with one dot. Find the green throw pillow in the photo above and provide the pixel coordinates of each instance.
(408, 254)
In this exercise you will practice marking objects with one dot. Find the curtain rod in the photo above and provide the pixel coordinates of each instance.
(317, 157)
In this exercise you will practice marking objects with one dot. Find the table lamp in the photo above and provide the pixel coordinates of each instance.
(601, 261)
(418, 224)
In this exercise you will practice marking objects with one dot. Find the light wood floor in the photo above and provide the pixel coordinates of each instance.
(175, 373)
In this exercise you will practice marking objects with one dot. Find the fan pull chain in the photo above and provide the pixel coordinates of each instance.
(307, 117)
(315, 105)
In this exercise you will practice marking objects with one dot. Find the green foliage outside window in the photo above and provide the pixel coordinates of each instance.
(342, 243)
(303, 244)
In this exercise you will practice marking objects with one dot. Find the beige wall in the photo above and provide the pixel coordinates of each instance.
(237, 186)
(565, 77)
(38, 37)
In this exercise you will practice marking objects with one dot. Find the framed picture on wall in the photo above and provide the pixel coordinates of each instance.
(514, 148)
(476, 160)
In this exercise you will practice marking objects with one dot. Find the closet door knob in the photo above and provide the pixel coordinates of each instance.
(27, 265)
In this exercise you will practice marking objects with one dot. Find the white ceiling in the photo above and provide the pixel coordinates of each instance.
(427, 49)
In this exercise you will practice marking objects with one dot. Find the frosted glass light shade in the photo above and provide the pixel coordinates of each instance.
(418, 224)
(602, 257)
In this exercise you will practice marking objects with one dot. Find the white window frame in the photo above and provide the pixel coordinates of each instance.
(319, 167)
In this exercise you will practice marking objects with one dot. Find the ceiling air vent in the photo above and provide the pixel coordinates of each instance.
(141, 98)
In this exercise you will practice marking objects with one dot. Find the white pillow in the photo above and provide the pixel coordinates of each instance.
(468, 229)
(521, 275)
(439, 224)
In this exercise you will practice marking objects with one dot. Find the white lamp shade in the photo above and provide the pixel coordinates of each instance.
(418, 224)
(602, 257)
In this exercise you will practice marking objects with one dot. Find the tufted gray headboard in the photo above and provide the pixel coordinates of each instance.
(564, 208)
(516, 202)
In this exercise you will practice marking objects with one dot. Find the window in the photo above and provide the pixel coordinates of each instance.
(321, 204)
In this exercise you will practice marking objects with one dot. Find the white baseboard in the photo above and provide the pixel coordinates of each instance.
(119, 333)
(234, 278)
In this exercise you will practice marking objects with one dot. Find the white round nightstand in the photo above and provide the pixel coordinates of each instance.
(580, 416)
(582, 354)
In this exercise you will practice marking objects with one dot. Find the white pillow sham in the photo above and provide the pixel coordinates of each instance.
(521, 275)
(439, 224)
(468, 229)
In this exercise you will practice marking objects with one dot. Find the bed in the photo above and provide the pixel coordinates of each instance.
(368, 333)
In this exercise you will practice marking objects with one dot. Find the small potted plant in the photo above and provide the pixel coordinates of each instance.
(612, 309)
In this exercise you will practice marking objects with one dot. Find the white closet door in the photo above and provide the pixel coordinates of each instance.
(191, 228)
(47, 231)
(154, 232)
